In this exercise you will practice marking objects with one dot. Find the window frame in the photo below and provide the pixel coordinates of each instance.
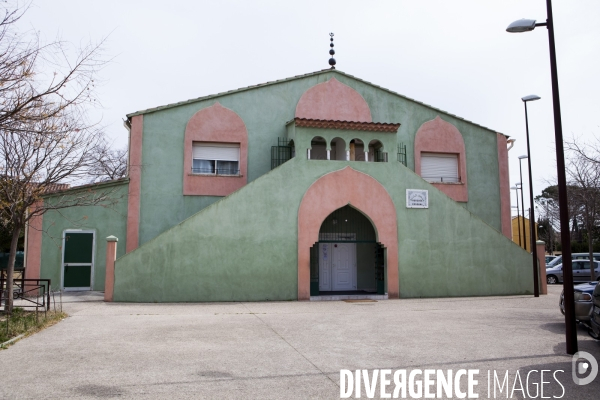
(454, 156)
(215, 161)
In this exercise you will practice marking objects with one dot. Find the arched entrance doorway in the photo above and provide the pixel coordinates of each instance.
(347, 258)
(336, 190)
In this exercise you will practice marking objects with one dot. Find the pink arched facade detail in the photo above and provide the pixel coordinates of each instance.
(215, 124)
(439, 136)
(332, 100)
(335, 190)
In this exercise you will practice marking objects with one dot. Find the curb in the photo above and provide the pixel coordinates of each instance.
(12, 340)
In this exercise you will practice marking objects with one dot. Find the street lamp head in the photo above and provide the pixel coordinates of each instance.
(522, 25)
(531, 97)
(518, 184)
(522, 157)
(514, 188)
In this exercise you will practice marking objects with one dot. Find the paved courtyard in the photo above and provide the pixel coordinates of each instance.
(287, 350)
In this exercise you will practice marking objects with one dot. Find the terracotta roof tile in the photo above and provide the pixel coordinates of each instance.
(347, 125)
(56, 187)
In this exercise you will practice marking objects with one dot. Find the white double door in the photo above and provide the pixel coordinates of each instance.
(337, 266)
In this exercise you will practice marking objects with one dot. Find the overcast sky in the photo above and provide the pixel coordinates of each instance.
(454, 55)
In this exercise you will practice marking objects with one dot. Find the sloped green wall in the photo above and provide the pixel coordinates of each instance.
(244, 247)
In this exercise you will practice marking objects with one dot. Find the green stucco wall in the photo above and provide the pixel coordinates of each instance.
(244, 247)
(104, 221)
(265, 111)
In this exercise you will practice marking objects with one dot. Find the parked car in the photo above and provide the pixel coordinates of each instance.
(594, 323)
(574, 256)
(583, 301)
(549, 259)
(581, 272)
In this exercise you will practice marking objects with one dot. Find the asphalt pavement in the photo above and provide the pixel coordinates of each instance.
(292, 350)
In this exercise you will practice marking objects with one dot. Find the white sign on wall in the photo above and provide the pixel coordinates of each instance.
(416, 198)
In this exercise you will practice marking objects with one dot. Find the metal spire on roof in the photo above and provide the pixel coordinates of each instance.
(332, 52)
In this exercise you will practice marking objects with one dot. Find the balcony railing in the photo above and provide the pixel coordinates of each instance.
(281, 153)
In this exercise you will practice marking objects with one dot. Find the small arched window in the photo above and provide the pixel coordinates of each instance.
(318, 149)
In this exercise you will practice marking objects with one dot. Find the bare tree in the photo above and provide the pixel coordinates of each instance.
(46, 141)
(55, 74)
(41, 156)
(583, 171)
(108, 163)
(590, 151)
(549, 209)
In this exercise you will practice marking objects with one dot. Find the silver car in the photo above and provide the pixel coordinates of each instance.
(575, 256)
(583, 301)
(581, 272)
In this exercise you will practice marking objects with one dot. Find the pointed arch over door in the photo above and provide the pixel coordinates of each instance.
(333, 191)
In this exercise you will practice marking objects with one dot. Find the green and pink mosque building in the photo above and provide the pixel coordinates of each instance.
(313, 187)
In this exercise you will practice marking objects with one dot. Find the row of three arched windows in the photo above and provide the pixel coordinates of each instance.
(355, 150)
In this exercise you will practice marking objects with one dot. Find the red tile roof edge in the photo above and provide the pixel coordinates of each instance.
(347, 125)
(56, 187)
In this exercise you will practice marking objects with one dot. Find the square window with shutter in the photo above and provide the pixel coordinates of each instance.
(439, 167)
(216, 158)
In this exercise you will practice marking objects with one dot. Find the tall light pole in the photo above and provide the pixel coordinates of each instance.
(526, 25)
(536, 287)
(516, 189)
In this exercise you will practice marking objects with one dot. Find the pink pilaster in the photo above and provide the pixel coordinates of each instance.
(541, 254)
(111, 256)
(34, 244)
(135, 183)
(504, 186)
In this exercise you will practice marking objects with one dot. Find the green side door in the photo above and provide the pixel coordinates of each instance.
(78, 260)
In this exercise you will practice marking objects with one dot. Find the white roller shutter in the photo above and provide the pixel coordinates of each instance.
(436, 167)
(216, 151)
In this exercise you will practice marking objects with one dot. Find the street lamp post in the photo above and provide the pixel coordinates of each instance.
(536, 287)
(526, 25)
(516, 189)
